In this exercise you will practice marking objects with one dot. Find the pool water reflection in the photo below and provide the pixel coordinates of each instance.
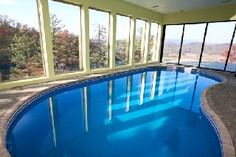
(154, 113)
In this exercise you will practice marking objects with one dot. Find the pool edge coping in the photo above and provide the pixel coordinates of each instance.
(225, 137)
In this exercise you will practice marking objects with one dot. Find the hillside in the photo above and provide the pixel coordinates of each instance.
(194, 47)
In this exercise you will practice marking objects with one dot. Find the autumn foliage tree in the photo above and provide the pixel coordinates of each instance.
(232, 57)
(138, 42)
(20, 50)
(65, 47)
(122, 52)
(99, 48)
(7, 32)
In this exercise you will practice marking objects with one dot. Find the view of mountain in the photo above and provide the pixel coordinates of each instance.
(195, 47)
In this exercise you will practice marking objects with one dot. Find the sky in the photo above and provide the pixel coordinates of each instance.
(140, 24)
(220, 32)
(122, 22)
(67, 13)
(98, 18)
(154, 29)
(26, 13)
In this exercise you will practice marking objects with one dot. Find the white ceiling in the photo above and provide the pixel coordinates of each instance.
(172, 6)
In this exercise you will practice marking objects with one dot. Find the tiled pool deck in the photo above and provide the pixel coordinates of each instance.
(219, 101)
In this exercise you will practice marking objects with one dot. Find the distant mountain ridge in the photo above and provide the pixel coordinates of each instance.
(194, 47)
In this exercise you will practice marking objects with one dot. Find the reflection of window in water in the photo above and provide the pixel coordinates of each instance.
(142, 88)
(154, 82)
(129, 87)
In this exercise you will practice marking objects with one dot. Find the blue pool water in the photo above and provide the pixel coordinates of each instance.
(154, 113)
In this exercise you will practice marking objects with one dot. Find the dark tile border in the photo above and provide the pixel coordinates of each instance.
(224, 136)
(226, 140)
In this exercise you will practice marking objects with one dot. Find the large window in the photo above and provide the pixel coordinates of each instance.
(122, 40)
(172, 43)
(65, 37)
(139, 41)
(217, 44)
(192, 44)
(20, 50)
(231, 66)
(98, 39)
(152, 45)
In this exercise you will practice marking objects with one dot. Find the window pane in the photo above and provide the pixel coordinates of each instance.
(192, 44)
(231, 66)
(172, 43)
(122, 40)
(217, 43)
(65, 37)
(139, 41)
(152, 45)
(20, 50)
(98, 39)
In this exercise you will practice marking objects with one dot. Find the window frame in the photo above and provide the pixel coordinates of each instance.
(81, 67)
(203, 44)
(230, 48)
(108, 39)
(142, 46)
(43, 52)
(155, 47)
(163, 41)
(129, 39)
(228, 52)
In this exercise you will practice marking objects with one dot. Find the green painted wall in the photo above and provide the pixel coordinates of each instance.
(225, 13)
(121, 7)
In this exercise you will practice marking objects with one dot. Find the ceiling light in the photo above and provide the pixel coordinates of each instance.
(225, 1)
(155, 6)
